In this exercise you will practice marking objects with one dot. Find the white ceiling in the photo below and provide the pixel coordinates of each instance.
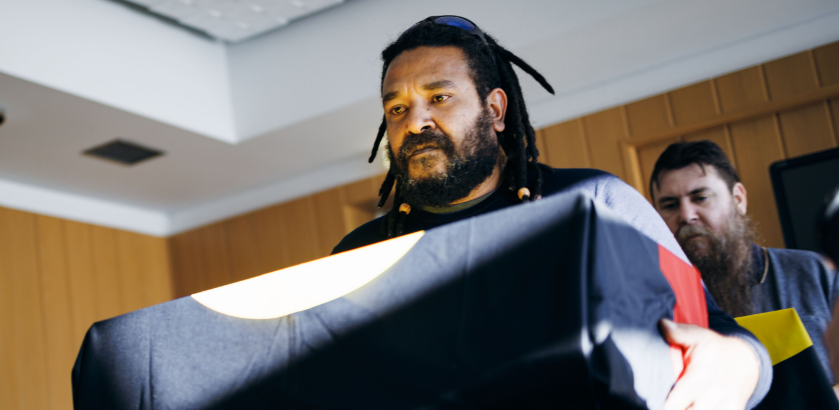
(235, 20)
(294, 111)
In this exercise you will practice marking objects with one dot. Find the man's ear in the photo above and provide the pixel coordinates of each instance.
(739, 194)
(497, 104)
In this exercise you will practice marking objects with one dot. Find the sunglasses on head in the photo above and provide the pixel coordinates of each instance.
(463, 24)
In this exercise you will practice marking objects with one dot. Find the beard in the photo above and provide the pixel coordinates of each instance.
(725, 262)
(464, 167)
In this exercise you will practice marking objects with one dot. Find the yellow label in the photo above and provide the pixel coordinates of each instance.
(781, 332)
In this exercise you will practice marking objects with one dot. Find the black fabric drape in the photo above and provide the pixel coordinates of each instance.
(544, 305)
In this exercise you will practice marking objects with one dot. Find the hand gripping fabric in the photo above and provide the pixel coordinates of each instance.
(547, 304)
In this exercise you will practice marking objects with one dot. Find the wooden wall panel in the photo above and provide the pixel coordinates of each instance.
(604, 131)
(157, 269)
(542, 147)
(827, 64)
(791, 75)
(359, 202)
(81, 277)
(647, 157)
(330, 219)
(57, 278)
(694, 103)
(757, 145)
(649, 115)
(741, 89)
(131, 270)
(106, 272)
(243, 247)
(806, 130)
(270, 233)
(8, 348)
(188, 262)
(19, 260)
(565, 144)
(301, 243)
(58, 320)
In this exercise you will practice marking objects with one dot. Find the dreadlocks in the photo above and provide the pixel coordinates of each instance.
(490, 67)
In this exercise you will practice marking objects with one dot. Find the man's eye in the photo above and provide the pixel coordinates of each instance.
(439, 98)
(700, 199)
(668, 206)
(397, 110)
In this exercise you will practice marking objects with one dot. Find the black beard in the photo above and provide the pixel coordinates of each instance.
(725, 262)
(465, 169)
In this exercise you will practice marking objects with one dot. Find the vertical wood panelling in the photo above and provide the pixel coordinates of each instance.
(243, 247)
(270, 233)
(110, 302)
(648, 115)
(791, 75)
(187, 260)
(827, 64)
(19, 260)
(359, 202)
(8, 347)
(81, 277)
(603, 131)
(806, 130)
(131, 267)
(58, 319)
(757, 145)
(542, 147)
(302, 242)
(647, 156)
(329, 219)
(693, 103)
(214, 257)
(741, 89)
(566, 145)
(157, 278)
(57, 278)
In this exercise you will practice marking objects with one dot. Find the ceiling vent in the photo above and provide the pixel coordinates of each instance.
(124, 152)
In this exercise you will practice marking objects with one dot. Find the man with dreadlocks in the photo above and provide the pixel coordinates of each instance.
(460, 144)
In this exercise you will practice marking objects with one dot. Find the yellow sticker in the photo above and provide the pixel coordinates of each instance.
(307, 285)
(781, 332)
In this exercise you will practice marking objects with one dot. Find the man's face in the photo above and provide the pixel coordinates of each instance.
(697, 204)
(441, 135)
(429, 89)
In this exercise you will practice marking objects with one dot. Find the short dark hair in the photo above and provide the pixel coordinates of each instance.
(682, 154)
(490, 66)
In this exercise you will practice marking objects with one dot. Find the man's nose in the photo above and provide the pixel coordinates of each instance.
(419, 120)
(687, 214)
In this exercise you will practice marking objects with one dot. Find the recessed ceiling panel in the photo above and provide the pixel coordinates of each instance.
(235, 20)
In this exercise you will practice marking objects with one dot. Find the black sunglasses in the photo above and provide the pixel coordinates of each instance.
(464, 24)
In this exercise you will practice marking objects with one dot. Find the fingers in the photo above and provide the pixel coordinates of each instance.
(679, 334)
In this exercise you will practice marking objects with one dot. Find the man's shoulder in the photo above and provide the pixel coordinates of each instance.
(565, 179)
(797, 259)
(367, 234)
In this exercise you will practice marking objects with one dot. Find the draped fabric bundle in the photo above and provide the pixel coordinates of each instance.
(552, 303)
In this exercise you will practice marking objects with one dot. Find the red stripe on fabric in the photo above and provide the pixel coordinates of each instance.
(691, 307)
